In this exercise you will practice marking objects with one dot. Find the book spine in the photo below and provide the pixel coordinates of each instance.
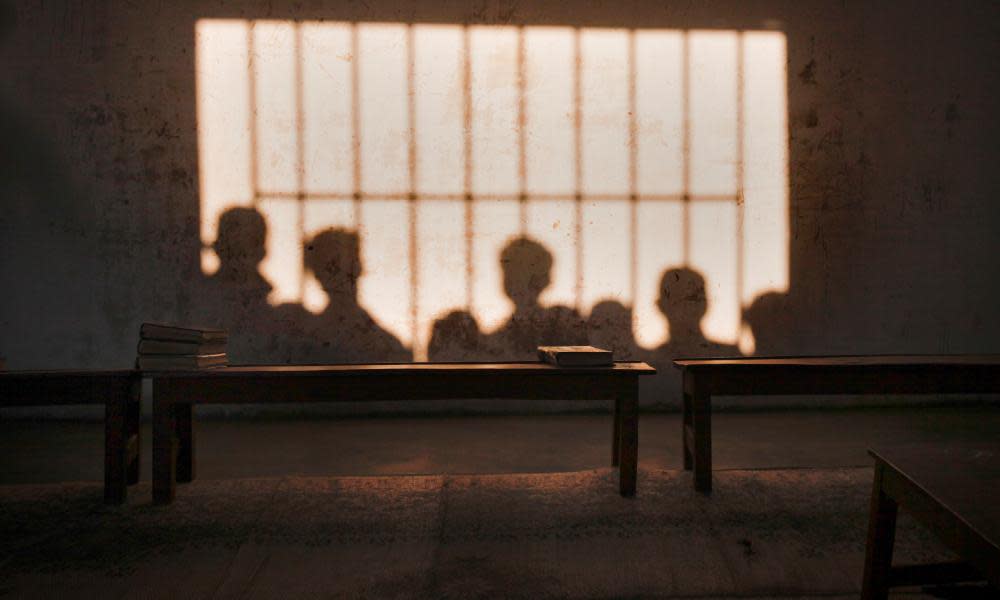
(154, 331)
(155, 347)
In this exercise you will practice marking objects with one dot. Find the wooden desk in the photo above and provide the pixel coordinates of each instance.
(174, 393)
(704, 378)
(117, 390)
(955, 492)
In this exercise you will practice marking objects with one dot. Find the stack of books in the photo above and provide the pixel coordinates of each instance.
(575, 356)
(163, 347)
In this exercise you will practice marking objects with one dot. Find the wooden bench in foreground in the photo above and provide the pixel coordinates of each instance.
(704, 378)
(955, 492)
(117, 390)
(175, 393)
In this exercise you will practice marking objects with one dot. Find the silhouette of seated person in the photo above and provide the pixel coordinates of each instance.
(770, 322)
(610, 327)
(527, 268)
(235, 296)
(344, 332)
(683, 301)
(456, 337)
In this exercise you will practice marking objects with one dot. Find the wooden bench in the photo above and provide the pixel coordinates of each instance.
(704, 378)
(175, 393)
(118, 390)
(955, 492)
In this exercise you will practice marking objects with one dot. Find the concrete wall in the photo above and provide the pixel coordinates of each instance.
(893, 149)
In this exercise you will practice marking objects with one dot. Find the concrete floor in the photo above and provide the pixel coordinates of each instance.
(461, 507)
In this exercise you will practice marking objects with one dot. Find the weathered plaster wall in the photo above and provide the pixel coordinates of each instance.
(893, 153)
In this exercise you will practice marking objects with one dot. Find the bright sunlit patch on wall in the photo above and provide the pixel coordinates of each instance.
(624, 152)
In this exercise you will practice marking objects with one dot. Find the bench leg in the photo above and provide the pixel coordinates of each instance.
(628, 441)
(881, 537)
(134, 432)
(701, 423)
(115, 445)
(185, 442)
(164, 445)
(616, 433)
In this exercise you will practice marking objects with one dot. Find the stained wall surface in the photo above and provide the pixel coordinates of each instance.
(837, 193)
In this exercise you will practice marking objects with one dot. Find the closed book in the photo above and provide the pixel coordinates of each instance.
(173, 333)
(166, 362)
(186, 348)
(575, 356)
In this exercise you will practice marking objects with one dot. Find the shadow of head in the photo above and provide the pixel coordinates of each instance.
(242, 238)
(611, 318)
(611, 312)
(456, 336)
(527, 268)
(682, 298)
(610, 327)
(769, 321)
(458, 325)
(334, 258)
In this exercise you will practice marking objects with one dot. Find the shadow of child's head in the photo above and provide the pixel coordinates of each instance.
(682, 299)
(769, 319)
(242, 239)
(334, 258)
(527, 268)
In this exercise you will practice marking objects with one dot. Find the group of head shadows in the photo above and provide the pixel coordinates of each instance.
(235, 297)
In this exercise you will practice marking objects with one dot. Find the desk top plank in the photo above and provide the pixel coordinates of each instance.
(963, 478)
(68, 373)
(887, 374)
(845, 361)
(518, 368)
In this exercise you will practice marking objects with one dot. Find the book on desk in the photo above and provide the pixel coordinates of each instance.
(174, 333)
(165, 347)
(575, 356)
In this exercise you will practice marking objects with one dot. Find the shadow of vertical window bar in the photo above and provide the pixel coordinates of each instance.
(625, 152)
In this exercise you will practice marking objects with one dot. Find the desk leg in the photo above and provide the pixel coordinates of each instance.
(628, 441)
(134, 431)
(701, 423)
(164, 444)
(185, 442)
(881, 537)
(115, 445)
(686, 422)
(616, 434)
